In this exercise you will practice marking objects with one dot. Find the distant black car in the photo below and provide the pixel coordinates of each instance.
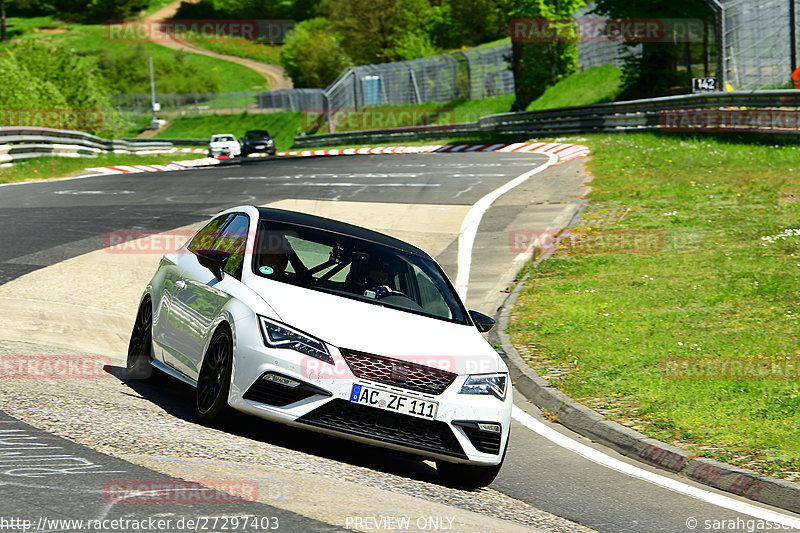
(258, 141)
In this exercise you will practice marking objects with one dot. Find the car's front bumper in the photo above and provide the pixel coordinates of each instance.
(322, 403)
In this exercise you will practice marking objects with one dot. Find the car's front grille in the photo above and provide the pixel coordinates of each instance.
(403, 374)
(484, 441)
(370, 422)
(280, 395)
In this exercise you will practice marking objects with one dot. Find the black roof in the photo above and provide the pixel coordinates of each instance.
(335, 226)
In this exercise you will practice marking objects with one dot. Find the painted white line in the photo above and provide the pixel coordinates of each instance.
(469, 227)
(634, 471)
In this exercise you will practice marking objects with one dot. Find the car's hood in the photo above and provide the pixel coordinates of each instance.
(361, 326)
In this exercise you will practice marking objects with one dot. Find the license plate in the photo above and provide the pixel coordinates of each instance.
(391, 401)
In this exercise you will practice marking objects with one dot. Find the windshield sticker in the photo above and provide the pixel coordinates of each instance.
(266, 270)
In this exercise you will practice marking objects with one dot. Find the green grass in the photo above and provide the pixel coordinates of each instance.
(671, 263)
(57, 167)
(234, 46)
(592, 86)
(282, 126)
(89, 38)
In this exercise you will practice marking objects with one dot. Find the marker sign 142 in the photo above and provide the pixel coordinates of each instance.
(702, 85)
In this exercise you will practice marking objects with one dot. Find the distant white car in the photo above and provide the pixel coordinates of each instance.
(330, 327)
(224, 144)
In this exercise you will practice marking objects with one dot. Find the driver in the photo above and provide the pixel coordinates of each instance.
(379, 281)
(273, 259)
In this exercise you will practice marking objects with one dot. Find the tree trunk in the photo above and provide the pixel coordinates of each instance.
(3, 21)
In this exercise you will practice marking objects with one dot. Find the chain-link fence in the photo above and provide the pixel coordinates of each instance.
(471, 74)
(755, 44)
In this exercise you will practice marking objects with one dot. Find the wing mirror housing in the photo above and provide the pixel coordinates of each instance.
(214, 260)
(482, 322)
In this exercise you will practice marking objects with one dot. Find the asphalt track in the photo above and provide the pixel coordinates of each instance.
(47, 223)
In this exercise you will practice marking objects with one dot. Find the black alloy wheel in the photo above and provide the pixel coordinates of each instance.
(214, 381)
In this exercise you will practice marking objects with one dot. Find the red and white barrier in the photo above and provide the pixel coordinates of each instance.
(564, 151)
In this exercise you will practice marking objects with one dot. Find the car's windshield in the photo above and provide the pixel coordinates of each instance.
(354, 268)
(256, 134)
(221, 138)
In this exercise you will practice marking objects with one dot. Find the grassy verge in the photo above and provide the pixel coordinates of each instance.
(57, 167)
(235, 46)
(96, 40)
(282, 126)
(594, 85)
(681, 263)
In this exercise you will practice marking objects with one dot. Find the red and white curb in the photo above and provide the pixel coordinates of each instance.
(564, 151)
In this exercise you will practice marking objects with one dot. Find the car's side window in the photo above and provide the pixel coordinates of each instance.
(204, 240)
(233, 240)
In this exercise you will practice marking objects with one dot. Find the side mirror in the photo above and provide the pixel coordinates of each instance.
(214, 260)
(482, 322)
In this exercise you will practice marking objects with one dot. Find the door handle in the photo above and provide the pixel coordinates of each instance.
(180, 284)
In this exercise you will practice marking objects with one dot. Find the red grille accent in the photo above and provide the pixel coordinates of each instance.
(403, 374)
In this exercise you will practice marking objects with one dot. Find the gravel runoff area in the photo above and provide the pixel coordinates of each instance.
(153, 425)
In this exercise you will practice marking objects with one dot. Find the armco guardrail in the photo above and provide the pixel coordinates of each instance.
(24, 142)
(179, 142)
(776, 111)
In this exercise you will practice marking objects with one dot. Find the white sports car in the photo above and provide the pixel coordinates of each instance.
(224, 144)
(332, 327)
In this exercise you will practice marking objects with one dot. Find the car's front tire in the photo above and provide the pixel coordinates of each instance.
(468, 476)
(214, 380)
(140, 347)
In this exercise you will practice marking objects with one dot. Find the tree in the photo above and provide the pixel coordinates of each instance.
(377, 31)
(312, 54)
(538, 65)
(655, 71)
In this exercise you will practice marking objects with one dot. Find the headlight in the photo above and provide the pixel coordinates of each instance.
(277, 335)
(494, 384)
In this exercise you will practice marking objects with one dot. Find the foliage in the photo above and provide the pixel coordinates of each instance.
(474, 22)
(312, 54)
(377, 31)
(538, 65)
(79, 10)
(655, 71)
(246, 9)
(128, 70)
(21, 89)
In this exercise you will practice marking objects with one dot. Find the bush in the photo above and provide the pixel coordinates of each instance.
(129, 72)
(312, 54)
